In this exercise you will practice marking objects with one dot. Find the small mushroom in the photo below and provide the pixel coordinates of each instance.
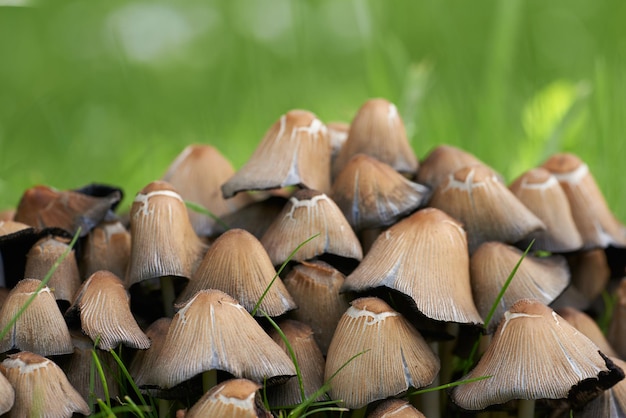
(395, 408)
(107, 247)
(442, 161)
(232, 398)
(294, 152)
(41, 388)
(7, 395)
(394, 356)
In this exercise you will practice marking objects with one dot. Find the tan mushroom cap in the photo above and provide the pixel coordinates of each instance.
(202, 337)
(424, 257)
(590, 272)
(107, 247)
(442, 161)
(395, 408)
(372, 194)
(540, 192)
(144, 364)
(163, 240)
(105, 315)
(306, 214)
(540, 278)
(617, 327)
(294, 152)
(40, 328)
(595, 221)
(487, 209)
(237, 264)
(197, 173)
(232, 398)
(377, 130)
(9, 227)
(394, 355)
(315, 287)
(41, 388)
(7, 395)
(338, 134)
(585, 324)
(65, 280)
(533, 342)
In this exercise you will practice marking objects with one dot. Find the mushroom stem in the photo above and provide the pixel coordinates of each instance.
(526, 408)
(359, 413)
(430, 404)
(209, 380)
(168, 295)
(164, 407)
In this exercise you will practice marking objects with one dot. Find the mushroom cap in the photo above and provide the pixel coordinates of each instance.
(144, 364)
(585, 324)
(202, 337)
(237, 264)
(307, 213)
(540, 278)
(442, 161)
(163, 242)
(105, 315)
(617, 327)
(198, 173)
(232, 398)
(610, 403)
(540, 192)
(424, 257)
(394, 355)
(487, 209)
(294, 152)
(533, 342)
(40, 386)
(377, 130)
(595, 221)
(7, 395)
(40, 328)
(372, 194)
(395, 408)
(107, 247)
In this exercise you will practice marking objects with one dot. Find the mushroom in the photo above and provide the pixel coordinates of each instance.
(371, 194)
(424, 257)
(202, 337)
(41, 388)
(197, 173)
(40, 328)
(610, 403)
(232, 398)
(144, 364)
(307, 213)
(442, 161)
(541, 278)
(237, 264)
(65, 280)
(533, 342)
(294, 152)
(487, 209)
(376, 353)
(540, 192)
(315, 287)
(7, 395)
(617, 327)
(585, 324)
(595, 221)
(107, 247)
(105, 316)
(378, 131)
(395, 408)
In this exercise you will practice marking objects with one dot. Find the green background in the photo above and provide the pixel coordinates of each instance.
(112, 91)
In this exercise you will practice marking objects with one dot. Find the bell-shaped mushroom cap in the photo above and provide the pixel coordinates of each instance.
(40, 328)
(533, 342)
(541, 278)
(315, 288)
(617, 328)
(540, 192)
(610, 403)
(595, 221)
(198, 173)
(395, 408)
(145, 361)
(105, 316)
(442, 161)
(9, 227)
(294, 152)
(371, 194)
(338, 134)
(378, 131)
(233, 398)
(213, 332)
(310, 362)
(41, 388)
(487, 209)
(163, 240)
(307, 213)
(237, 264)
(424, 257)
(394, 355)
(107, 247)
(7, 395)
(585, 324)
(43, 255)
(43, 207)
(256, 217)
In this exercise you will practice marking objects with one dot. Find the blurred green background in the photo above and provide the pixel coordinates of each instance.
(112, 91)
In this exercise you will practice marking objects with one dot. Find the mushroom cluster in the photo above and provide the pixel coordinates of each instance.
(334, 270)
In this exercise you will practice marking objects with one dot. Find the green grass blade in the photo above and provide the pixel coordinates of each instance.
(330, 409)
(449, 385)
(127, 375)
(204, 211)
(43, 283)
(282, 266)
(105, 386)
